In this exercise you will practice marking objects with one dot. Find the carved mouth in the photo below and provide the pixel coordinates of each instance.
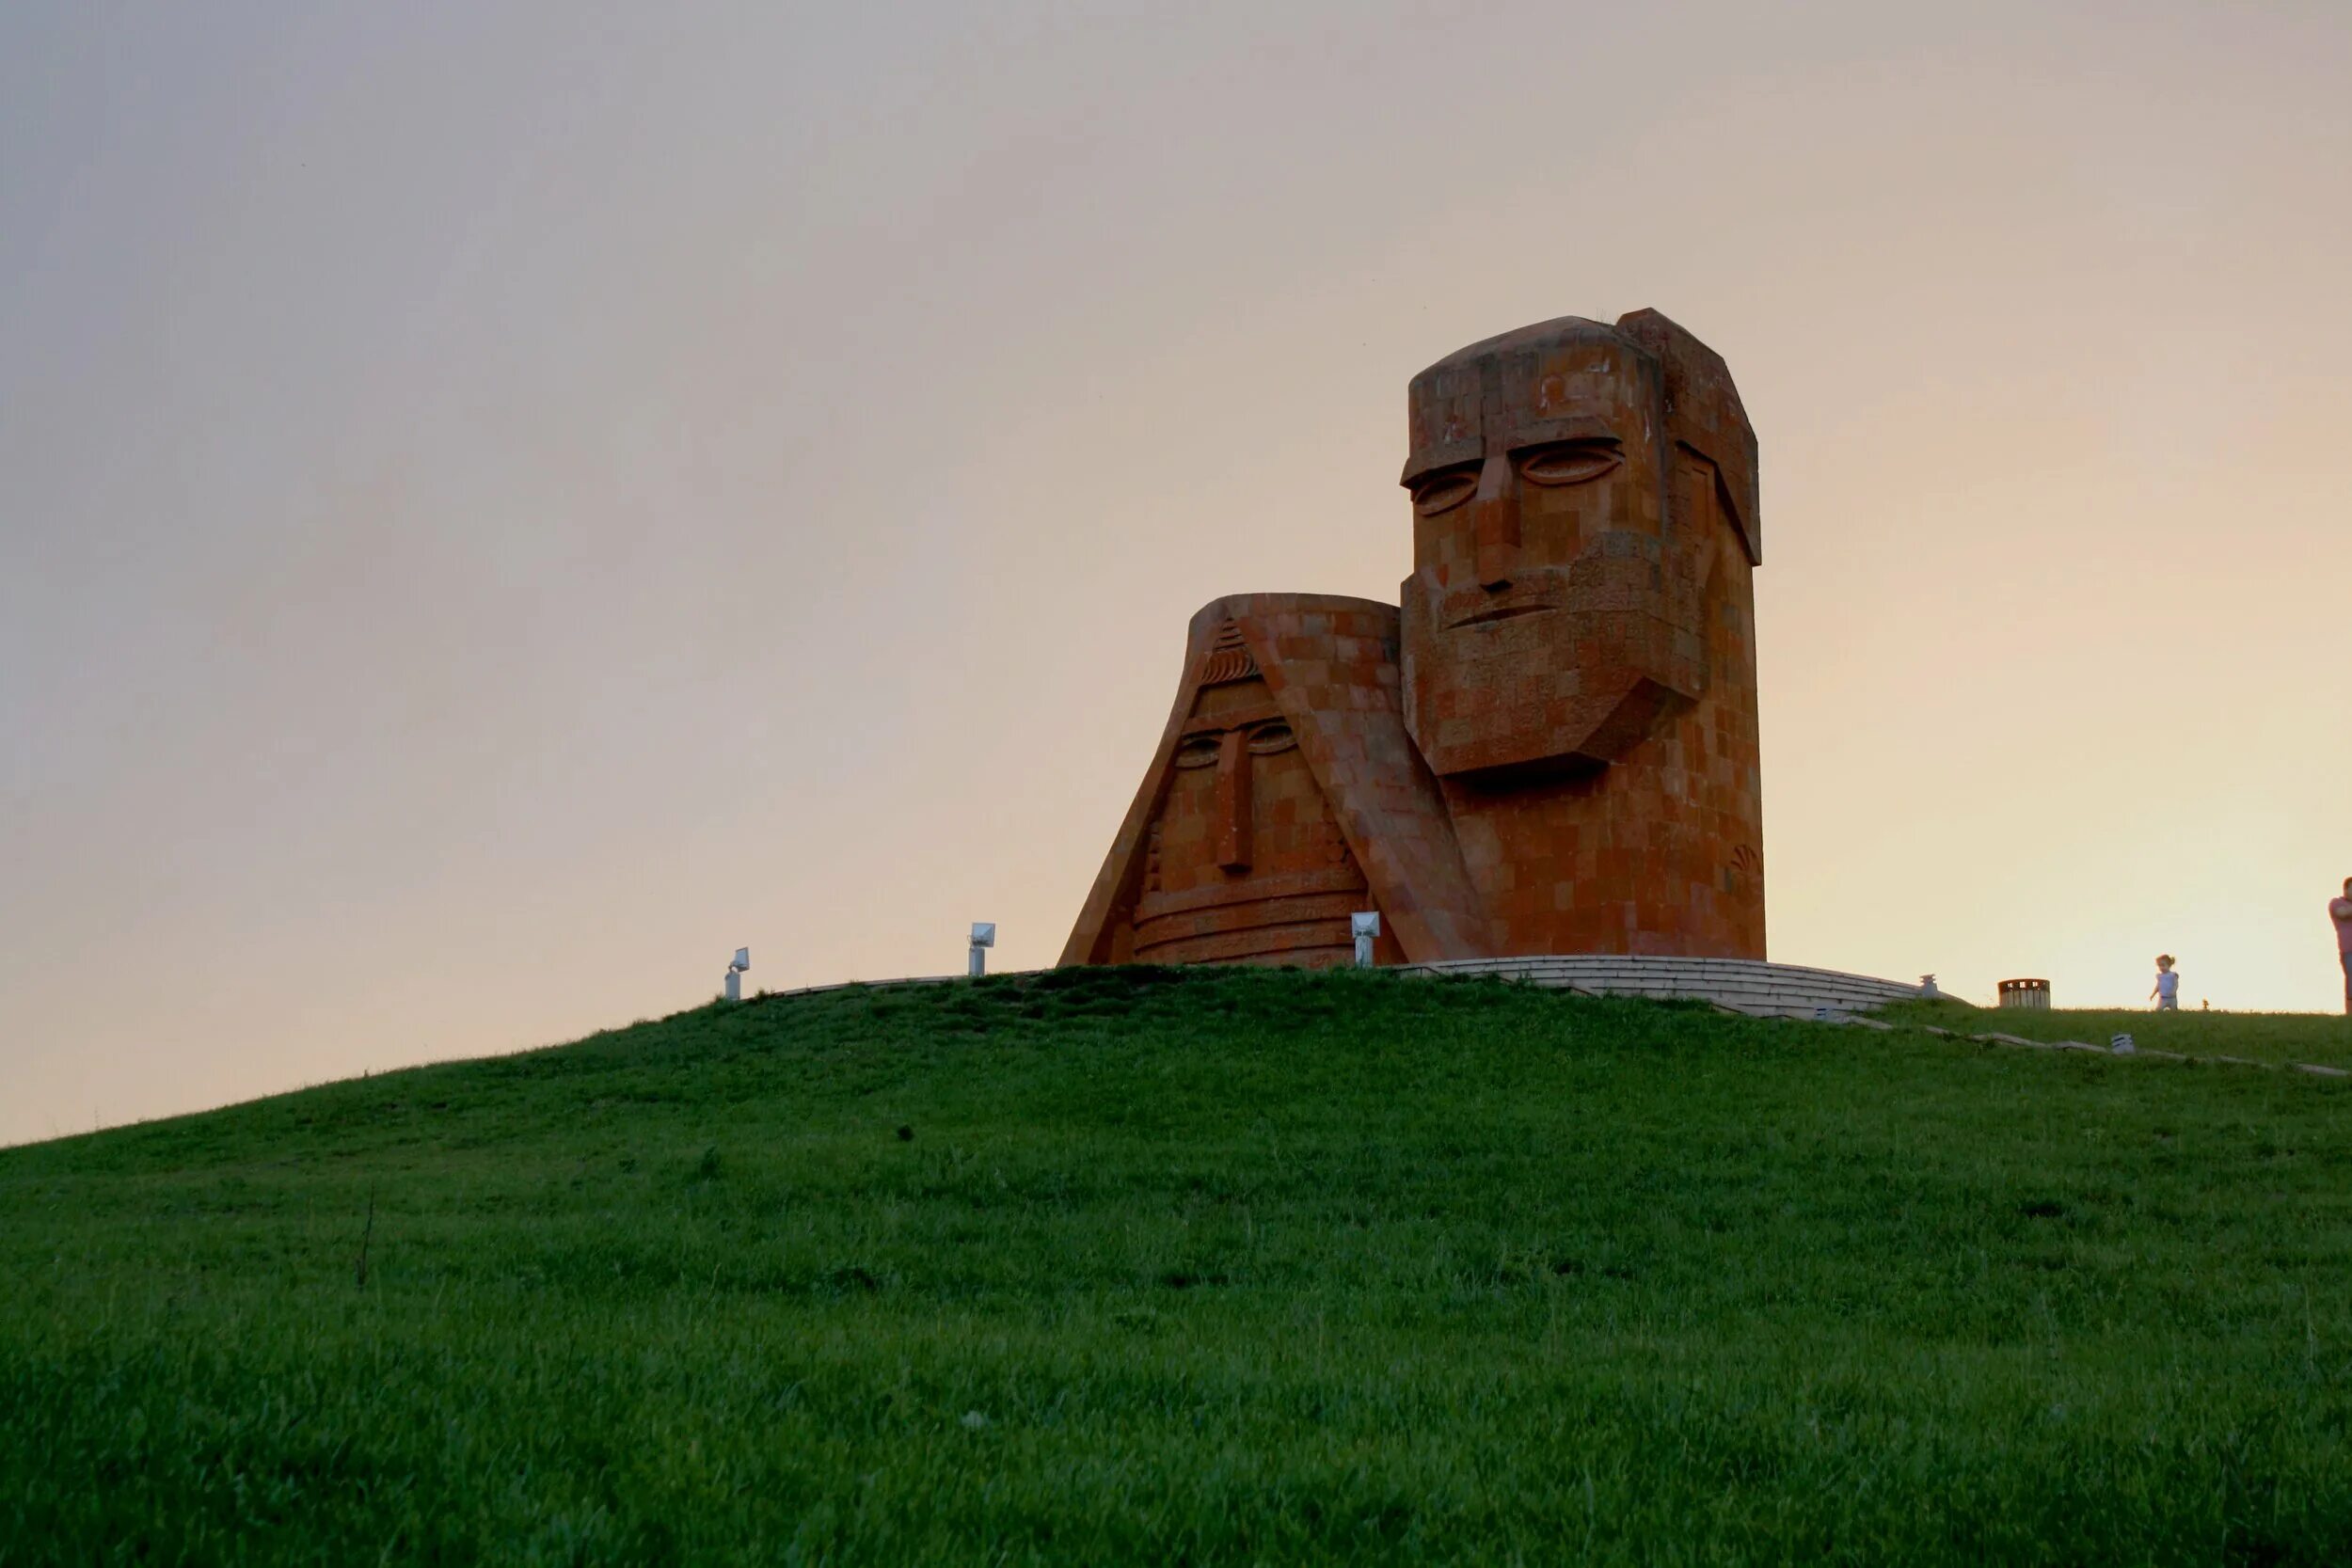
(1502, 613)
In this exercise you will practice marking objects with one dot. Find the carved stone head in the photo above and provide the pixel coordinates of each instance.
(1286, 796)
(1574, 488)
(1244, 859)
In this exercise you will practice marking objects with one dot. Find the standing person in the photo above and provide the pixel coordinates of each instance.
(2339, 911)
(2167, 992)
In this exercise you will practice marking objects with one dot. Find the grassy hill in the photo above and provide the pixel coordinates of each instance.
(1204, 1267)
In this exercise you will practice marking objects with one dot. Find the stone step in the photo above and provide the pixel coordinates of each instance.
(1749, 986)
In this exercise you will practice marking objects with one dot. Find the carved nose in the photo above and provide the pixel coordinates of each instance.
(1232, 803)
(1495, 525)
(1497, 549)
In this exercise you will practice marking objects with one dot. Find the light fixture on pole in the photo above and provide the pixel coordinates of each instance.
(741, 961)
(1365, 923)
(983, 938)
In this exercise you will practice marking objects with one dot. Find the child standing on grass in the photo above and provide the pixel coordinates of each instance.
(2339, 911)
(2167, 992)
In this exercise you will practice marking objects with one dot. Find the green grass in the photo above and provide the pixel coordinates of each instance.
(1200, 1267)
(2278, 1038)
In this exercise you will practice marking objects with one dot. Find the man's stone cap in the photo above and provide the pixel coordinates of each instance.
(1560, 329)
(1702, 406)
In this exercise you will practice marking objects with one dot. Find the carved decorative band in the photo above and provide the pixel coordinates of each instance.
(1257, 889)
(1224, 666)
(1243, 917)
(1306, 940)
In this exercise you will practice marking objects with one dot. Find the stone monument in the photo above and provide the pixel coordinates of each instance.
(1551, 749)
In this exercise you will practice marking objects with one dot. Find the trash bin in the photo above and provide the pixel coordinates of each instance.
(2025, 994)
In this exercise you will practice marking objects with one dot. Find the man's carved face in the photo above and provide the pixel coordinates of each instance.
(1552, 614)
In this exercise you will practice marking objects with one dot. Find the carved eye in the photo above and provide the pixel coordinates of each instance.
(1276, 736)
(1199, 751)
(1444, 490)
(1569, 462)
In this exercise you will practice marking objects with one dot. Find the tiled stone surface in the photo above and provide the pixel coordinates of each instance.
(1284, 796)
(1551, 749)
(1579, 637)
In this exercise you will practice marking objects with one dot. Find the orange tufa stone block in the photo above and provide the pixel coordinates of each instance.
(1551, 748)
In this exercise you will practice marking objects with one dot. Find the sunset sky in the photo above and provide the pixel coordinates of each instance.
(503, 504)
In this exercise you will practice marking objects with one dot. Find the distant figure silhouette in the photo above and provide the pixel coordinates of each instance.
(2167, 992)
(2339, 911)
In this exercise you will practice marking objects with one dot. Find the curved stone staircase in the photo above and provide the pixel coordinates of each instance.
(1742, 985)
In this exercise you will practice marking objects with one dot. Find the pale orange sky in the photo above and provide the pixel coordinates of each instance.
(501, 505)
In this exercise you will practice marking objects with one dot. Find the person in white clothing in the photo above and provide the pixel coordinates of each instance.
(2339, 911)
(2167, 992)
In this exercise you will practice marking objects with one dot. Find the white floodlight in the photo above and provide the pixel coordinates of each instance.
(1365, 925)
(983, 938)
(742, 958)
(741, 961)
